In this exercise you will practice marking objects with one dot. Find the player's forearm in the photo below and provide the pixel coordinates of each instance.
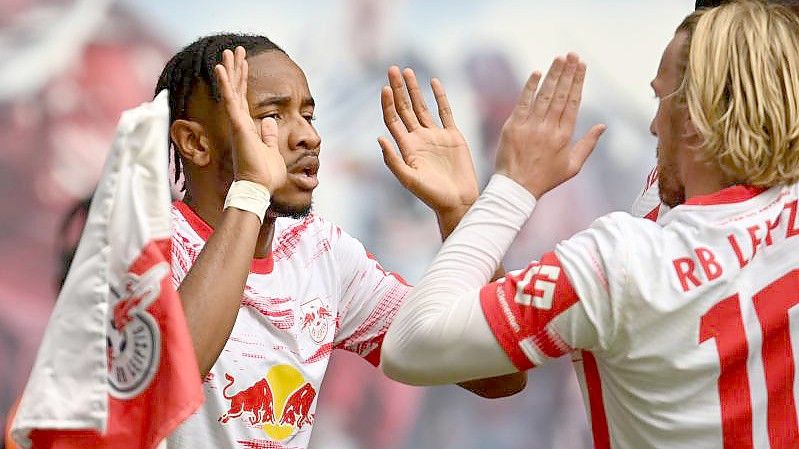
(212, 289)
(447, 222)
(440, 328)
(493, 387)
(497, 387)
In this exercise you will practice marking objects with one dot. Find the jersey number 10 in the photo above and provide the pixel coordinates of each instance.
(724, 323)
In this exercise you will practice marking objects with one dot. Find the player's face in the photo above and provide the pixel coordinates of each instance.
(667, 125)
(277, 88)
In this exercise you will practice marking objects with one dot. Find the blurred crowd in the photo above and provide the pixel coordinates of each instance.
(71, 67)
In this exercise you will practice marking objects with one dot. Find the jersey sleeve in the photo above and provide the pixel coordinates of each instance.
(180, 261)
(564, 302)
(370, 299)
(183, 254)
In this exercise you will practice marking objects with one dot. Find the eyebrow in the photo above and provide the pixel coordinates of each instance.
(282, 100)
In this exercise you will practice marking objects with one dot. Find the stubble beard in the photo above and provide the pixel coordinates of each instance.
(278, 208)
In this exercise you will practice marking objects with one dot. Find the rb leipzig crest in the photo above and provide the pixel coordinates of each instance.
(134, 339)
(316, 319)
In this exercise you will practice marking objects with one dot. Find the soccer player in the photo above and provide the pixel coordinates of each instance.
(648, 203)
(682, 332)
(269, 289)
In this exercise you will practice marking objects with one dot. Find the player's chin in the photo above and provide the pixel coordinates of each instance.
(293, 204)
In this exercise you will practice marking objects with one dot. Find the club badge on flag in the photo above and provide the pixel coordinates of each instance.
(116, 368)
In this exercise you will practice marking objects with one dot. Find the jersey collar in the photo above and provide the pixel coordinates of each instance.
(730, 195)
(263, 265)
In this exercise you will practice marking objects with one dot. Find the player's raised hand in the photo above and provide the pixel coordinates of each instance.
(256, 156)
(535, 147)
(434, 162)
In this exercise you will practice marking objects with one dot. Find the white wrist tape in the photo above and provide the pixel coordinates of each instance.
(249, 196)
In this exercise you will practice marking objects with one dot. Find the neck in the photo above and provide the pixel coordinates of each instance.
(209, 208)
(703, 179)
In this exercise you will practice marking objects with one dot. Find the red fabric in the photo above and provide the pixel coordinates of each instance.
(513, 323)
(599, 420)
(263, 265)
(730, 195)
(174, 393)
(653, 214)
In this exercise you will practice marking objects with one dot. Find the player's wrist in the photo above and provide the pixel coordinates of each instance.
(513, 190)
(531, 187)
(248, 196)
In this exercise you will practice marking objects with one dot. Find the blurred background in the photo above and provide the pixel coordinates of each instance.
(70, 67)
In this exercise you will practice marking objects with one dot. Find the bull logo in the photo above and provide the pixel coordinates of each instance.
(316, 319)
(285, 390)
(133, 337)
(257, 400)
(297, 410)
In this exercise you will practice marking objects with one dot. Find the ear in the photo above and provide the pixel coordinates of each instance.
(192, 143)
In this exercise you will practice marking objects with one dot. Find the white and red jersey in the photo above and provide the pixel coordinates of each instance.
(319, 290)
(647, 204)
(683, 332)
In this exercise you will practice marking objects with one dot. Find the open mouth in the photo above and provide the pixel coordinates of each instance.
(303, 172)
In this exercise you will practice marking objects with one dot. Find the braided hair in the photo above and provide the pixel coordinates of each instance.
(196, 63)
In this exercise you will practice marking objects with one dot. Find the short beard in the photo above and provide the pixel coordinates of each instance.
(278, 209)
(671, 197)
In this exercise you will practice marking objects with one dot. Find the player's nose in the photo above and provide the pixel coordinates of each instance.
(304, 137)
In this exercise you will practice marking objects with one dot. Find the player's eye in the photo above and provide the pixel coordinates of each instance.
(274, 115)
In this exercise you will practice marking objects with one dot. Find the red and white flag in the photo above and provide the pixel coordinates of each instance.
(116, 368)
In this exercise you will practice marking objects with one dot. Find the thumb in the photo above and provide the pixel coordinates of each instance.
(394, 162)
(269, 132)
(585, 146)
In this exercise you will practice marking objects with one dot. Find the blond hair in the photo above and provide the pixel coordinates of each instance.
(741, 86)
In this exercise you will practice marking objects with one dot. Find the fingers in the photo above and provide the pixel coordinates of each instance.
(569, 117)
(390, 116)
(417, 99)
(562, 89)
(402, 105)
(444, 110)
(231, 76)
(544, 96)
(522, 109)
(242, 69)
(394, 162)
(269, 132)
(585, 146)
(225, 89)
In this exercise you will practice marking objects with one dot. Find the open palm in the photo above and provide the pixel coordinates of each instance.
(256, 156)
(434, 162)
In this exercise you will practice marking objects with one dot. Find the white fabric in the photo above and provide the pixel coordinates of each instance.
(636, 303)
(632, 295)
(248, 196)
(323, 292)
(647, 203)
(440, 335)
(68, 386)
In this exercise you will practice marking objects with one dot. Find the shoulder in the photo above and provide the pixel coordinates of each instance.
(647, 204)
(619, 229)
(312, 233)
(606, 251)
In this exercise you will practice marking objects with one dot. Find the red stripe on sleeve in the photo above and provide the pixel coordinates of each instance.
(521, 306)
(493, 301)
